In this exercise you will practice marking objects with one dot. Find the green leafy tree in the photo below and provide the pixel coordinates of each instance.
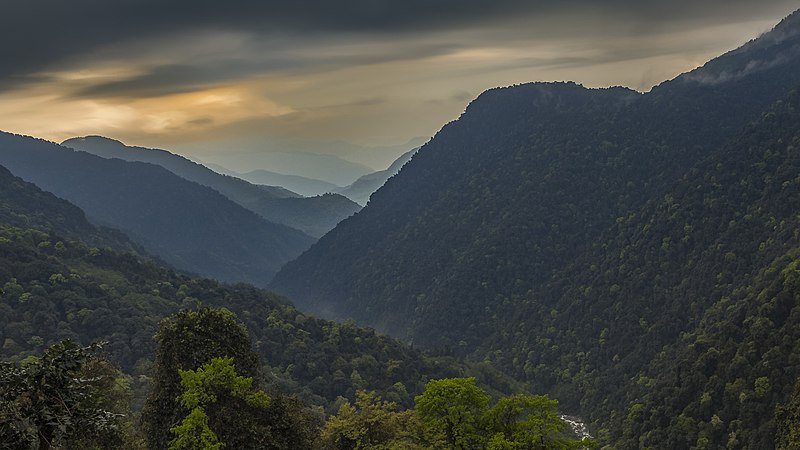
(207, 388)
(451, 410)
(205, 394)
(529, 422)
(371, 424)
(788, 420)
(186, 341)
(67, 398)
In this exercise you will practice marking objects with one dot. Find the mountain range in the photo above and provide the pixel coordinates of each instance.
(359, 191)
(589, 239)
(55, 288)
(188, 225)
(313, 216)
(295, 183)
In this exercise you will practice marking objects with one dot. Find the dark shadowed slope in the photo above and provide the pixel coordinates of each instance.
(363, 187)
(24, 205)
(234, 188)
(521, 184)
(55, 289)
(692, 293)
(276, 204)
(190, 226)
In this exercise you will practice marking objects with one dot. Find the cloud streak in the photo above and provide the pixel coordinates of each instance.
(201, 74)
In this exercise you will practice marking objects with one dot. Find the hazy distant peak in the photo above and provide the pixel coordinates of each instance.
(93, 137)
(108, 147)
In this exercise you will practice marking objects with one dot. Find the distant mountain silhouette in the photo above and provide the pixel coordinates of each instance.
(274, 203)
(359, 191)
(326, 167)
(304, 186)
(188, 225)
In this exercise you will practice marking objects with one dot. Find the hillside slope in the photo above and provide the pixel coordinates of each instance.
(53, 289)
(589, 239)
(523, 183)
(24, 205)
(313, 216)
(362, 188)
(190, 226)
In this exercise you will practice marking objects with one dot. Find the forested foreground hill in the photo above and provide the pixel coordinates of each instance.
(190, 226)
(54, 289)
(616, 249)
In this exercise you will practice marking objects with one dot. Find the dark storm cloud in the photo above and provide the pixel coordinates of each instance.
(38, 34)
(191, 75)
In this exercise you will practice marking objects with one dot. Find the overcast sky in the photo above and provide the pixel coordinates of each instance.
(224, 80)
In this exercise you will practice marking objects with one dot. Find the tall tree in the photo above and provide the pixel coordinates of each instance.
(67, 398)
(529, 422)
(452, 410)
(371, 423)
(205, 390)
(186, 341)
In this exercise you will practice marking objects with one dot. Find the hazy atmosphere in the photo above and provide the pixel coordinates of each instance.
(365, 81)
(418, 225)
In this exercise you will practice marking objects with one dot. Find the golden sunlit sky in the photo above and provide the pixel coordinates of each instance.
(231, 82)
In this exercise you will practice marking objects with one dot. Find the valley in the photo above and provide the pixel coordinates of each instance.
(560, 266)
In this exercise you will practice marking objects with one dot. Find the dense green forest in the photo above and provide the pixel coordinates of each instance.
(192, 227)
(206, 394)
(60, 294)
(612, 248)
(56, 289)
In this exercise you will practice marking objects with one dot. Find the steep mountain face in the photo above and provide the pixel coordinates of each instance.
(363, 187)
(188, 225)
(539, 231)
(276, 204)
(688, 303)
(24, 205)
(519, 186)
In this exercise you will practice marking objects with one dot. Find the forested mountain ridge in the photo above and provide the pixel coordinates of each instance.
(581, 236)
(55, 289)
(688, 299)
(313, 216)
(188, 225)
(24, 205)
(236, 189)
(521, 184)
